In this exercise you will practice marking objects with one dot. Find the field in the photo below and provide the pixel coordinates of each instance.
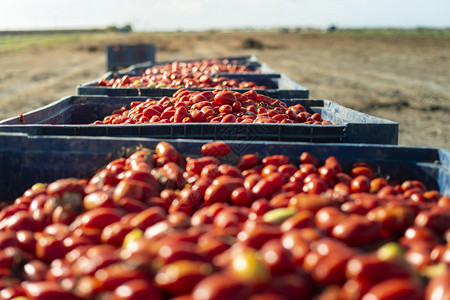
(397, 75)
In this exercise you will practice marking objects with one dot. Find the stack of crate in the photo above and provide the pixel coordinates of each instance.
(60, 141)
(72, 115)
(70, 118)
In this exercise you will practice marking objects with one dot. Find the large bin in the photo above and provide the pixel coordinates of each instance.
(236, 60)
(26, 160)
(253, 64)
(72, 115)
(278, 86)
(123, 56)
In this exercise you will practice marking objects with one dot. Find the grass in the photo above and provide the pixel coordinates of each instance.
(16, 42)
(420, 32)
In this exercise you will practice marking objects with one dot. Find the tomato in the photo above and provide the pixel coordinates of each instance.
(21, 220)
(197, 116)
(278, 259)
(438, 287)
(437, 218)
(179, 250)
(116, 274)
(268, 185)
(361, 183)
(397, 288)
(328, 217)
(241, 197)
(98, 199)
(221, 286)
(357, 230)
(286, 285)
(164, 149)
(69, 185)
(306, 169)
(268, 169)
(221, 188)
(151, 112)
(331, 266)
(216, 149)
(310, 202)
(225, 97)
(147, 217)
(256, 235)
(130, 205)
(377, 183)
(276, 160)
(315, 186)
(196, 165)
(134, 189)
(98, 217)
(35, 270)
(136, 289)
(225, 109)
(171, 176)
(212, 171)
(180, 114)
(307, 158)
(302, 219)
(46, 290)
(49, 248)
(248, 161)
(228, 119)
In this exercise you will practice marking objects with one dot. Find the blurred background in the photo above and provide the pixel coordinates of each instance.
(153, 15)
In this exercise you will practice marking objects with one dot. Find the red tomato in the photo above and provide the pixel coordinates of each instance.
(216, 149)
(225, 97)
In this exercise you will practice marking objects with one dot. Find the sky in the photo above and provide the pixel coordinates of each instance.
(168, 15)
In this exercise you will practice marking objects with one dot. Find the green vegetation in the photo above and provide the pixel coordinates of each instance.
(43, 39)
(420, 32)
(17, 42)
(126, 28)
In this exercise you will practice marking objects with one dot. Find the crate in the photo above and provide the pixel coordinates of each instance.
(238, 60)
(26, 160)
(71, 115)
(254, 65)
(123, 56)
(279, 86)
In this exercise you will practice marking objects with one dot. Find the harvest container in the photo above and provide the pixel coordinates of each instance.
(122, 56)
(279, 86)
(30, 159)
(237, 60)
(254, 65)
(71, 116)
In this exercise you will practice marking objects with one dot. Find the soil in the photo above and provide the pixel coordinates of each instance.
(401, 79)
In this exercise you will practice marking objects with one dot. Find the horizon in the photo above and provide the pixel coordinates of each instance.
(293, 28)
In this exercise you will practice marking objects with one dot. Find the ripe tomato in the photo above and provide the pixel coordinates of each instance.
(216, 149)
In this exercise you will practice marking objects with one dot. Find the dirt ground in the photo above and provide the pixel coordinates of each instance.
(400, 79)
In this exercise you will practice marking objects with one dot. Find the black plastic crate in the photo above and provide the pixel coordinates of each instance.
(278, 86)
(72, 115)
(25, 160)
(237, 60)
(254, 65)
(123, 56)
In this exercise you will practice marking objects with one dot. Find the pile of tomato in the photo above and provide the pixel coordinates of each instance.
(157, 225)
(206, 66)
(218, 106)
(202, 74)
